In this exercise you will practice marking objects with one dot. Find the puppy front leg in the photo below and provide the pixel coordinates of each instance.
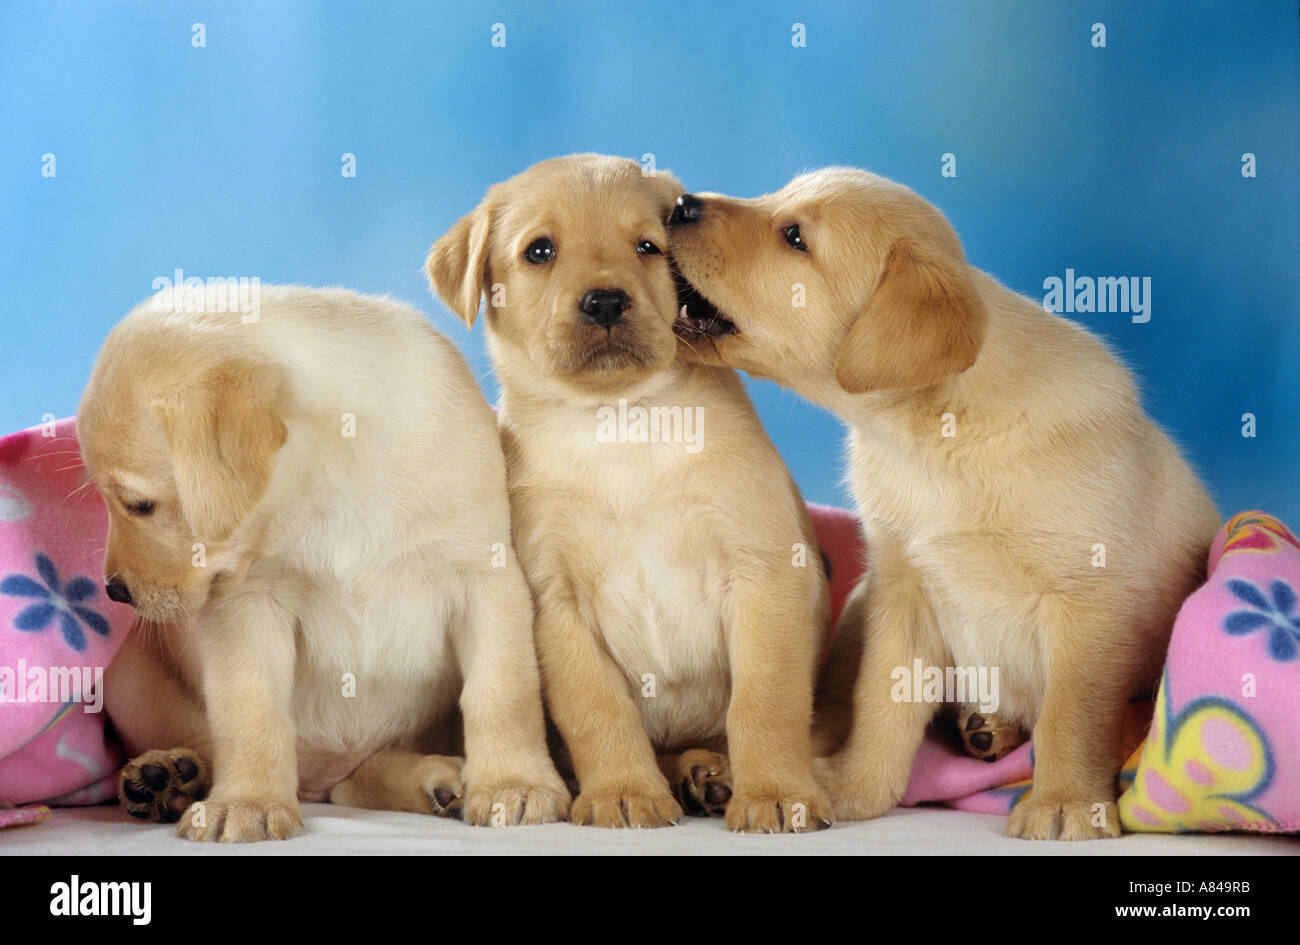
(246, 651)
(869, 774)
(773, 644)
(620, 781)
(1077, 735)
(509, 776)
(833, 697)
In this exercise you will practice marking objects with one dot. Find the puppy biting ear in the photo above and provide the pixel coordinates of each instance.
(457, 263)
(223, 434)
(670, 188)
(924, 322)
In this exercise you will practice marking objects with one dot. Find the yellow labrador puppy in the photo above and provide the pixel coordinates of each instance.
(308, 509)
(1021, 511)
(680, 596)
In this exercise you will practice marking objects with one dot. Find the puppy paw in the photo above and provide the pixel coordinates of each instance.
(1054, 818)
(505, 803)
(434, 785)
(159, 785)
(852, 798)
(988, 737)
(238, 820)
(443, 786)
(701, 783)
(779, 809)
(630, 807)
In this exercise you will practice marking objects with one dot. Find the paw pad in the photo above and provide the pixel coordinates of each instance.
(988, 737)
(705, 791)
(445, 802)
(159, 786)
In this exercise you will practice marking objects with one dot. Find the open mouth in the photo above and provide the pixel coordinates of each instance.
(696, 315)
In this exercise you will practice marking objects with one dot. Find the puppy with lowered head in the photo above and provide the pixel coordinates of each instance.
(680, 597)
(308, 510)
(994, 447)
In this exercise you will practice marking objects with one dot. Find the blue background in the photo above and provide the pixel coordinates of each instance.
(225, 160)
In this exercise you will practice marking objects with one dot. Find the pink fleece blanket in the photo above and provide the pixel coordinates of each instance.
(1223, 752)
(57, 629)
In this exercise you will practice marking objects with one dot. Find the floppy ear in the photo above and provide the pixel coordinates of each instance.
(457, 263)
(924, 322)
(223, 434)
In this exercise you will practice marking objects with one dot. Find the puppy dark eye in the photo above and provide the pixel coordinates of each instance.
(143, 507)
(647, 248)
(795, 238)
(540, 251)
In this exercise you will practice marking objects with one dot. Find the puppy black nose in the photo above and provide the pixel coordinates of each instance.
(116, 589)
(688, 210)
(605, 306)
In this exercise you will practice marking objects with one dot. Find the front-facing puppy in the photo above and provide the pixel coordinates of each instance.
(308, 509)
(993, 448)
(679, 590)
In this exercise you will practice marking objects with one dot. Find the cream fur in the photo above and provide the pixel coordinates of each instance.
(646, 560)
(981, 543)
(370, 555)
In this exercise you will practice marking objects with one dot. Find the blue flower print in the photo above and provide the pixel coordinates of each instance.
(53, 601)
(1275, 612)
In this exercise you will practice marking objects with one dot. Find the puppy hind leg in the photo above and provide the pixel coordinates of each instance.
(700, 781)
(394, 779)
(986, 735)
(153, 711)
